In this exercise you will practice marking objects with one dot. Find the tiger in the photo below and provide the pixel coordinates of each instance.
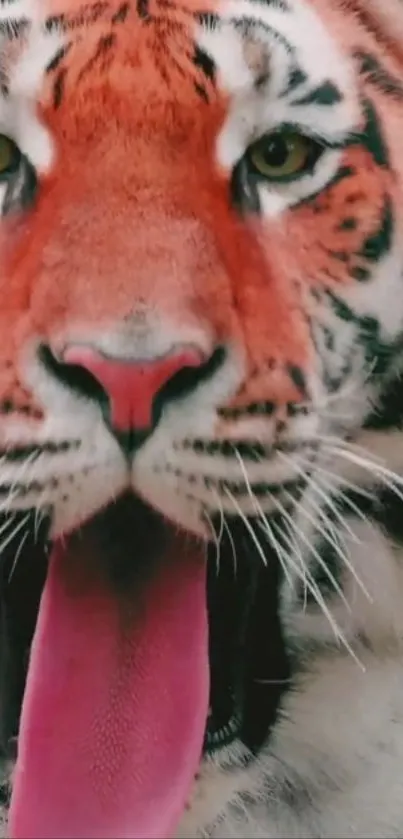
(201, 413)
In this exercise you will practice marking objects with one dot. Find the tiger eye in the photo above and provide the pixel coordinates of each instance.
(281, 155)
(9, 154)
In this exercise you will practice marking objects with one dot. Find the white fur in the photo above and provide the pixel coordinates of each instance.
(333, 764)
(24, 69)
(255, 111)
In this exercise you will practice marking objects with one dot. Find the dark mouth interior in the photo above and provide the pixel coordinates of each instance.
(248, 663)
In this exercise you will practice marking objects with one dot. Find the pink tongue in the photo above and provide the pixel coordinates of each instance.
(115, 707)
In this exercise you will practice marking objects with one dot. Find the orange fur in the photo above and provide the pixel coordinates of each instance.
(136, 213)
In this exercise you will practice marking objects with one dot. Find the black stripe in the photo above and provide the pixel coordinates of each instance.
(58, 88)
(325, 94)
(143, 9)
(248, 450)
(238, 488)
(20, 452)
(121, 14)
(88, 14)
(104, 45)
(377, 75)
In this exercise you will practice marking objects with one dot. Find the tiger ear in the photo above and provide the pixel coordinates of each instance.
(387, 16)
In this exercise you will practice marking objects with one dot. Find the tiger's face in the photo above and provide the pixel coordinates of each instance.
(199, 251)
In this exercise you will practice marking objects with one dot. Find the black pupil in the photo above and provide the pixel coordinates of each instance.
(276, 151)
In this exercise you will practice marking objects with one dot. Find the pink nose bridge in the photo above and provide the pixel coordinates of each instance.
(132, 386)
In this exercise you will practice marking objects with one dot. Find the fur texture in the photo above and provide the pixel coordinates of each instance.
(134, 118)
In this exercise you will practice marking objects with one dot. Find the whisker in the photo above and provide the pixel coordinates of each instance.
(273, 681)
(40, 515)
(224, 526)
(215, 540)
(14, 532)
(338, 479)
(8, 522)
(247, 524)
(13, 493)
(332, 540)
(348, 502)
(327, 500)
(231, 539)
(18, 554)
(268, 531)
(317, 595)
(390, 479)
(343, 555)
(263, 520)
(311, 548)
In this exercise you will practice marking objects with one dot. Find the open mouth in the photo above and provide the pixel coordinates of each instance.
(132, 650)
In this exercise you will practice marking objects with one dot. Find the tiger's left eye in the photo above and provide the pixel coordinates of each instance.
(283, 155)
(10, 155)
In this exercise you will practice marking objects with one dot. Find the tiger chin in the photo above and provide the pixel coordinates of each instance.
(201, 454)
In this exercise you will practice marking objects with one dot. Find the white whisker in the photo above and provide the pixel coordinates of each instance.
(247, 524)
(18, 553)
(317, 595)
(215, 540)
(327, 500)
(224, 526)
(390, 479)
(14, 532)
(264, 524)
(311, 548)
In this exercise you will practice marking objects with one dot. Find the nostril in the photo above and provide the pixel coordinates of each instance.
(73, 376)
(188, 378)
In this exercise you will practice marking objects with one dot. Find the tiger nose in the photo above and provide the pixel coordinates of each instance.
(135, 390)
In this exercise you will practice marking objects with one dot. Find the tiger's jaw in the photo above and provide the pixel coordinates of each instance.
(116, 686)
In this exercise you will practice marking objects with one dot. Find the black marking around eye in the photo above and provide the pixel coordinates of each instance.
(325, 94)
(244, 190)
(21, 188)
